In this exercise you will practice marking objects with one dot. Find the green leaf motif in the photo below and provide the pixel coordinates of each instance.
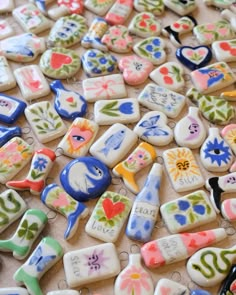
(27, 232)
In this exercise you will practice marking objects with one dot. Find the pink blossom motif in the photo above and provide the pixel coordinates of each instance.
(116, 32)
(34, 22)
(189, 53)
(201, 52)
(223, 31)
(209, 36)
(2, 156)
(12, 147)
(210, 27)
(165, 291)
(16, 158)
(121, 43)
(61, 201)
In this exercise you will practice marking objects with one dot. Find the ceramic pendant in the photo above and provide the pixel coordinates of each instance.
(63, 292)
(156, 7)
(181, 7)
(209, 106)
(42, 5)
(5, 29)
(7, 133)
(158, 98)
(108, 217)
(59, 63)
(7, 80)
(152, 49)
(229, 285)
(182, 26)
(135, 69)
(46, 254)
(31, 225)
(142, 156)
(78, 138)
(228, 209)
(96, 63)
(98, 7)
(183, 169)
(166, 286)
(190, 131)
(94, 35)
(225, 50)
(153, 129)
(66, 7)
(134, 279)
(68, 104)
(67, 31)
(23, 47)
(180, 246)
(188, 212)
(31, 19)
(116, 111)
(114, 144)
(85, 178)
(219, 3)
(106, 87)
(119, 12)
(12, 207)
(13, 290)
(44, 121)
(169, 75)
(229, 135)
(54, 197)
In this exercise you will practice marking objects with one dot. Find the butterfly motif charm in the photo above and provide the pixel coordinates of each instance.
(39, 260)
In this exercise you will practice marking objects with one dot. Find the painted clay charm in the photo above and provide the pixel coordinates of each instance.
(219, 3)
(182, 26)
(229, 16)
(108, 217)
(64, 292)
(6, 6)
(125, 283)
(47, 253)
(156, 7)
(228, 209)
(85, 178)
(229, 135)
(12, 207)
(180, 246)
(7, 133)
(116, 142)
(42, 5)
(142, 156)
(78, 138)
(119, 12)
(31, 19)
(5, 29)
(22, 48)
(94, 35)
(190, 131)
(145, 209)
(31, 225)
(54, 197)
(59, 63)
(225, 50)
(13, 290)
(45, 122)
(41, 165)
(66, 7)
(106, 87)
(210, 105)
(135, 69)
(229, 285)
(183, 169)
(67, 31)
(210, 266)
(116, 111)
(181, 7)
(169, 75)
(15, 154)
(166, 286)
(92, 264)
(98, 7)
(188, 212)
(68, 104)
(152, 49)
(158, 98)
(7, 80)
(229, 95)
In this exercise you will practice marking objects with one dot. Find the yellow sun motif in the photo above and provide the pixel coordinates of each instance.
(230, 137)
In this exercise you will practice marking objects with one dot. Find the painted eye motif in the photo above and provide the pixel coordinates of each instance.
(71, 25)
(78, 138)
(62, 35)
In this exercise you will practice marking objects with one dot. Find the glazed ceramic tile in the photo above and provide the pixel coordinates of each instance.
(229, 16)
(13, 206)
(156, 7)
(119, 12)
(172, 287)
(15, 154)
(117, 39)
(92, 264)
(79, 137)
(7, 133)
(108, 217)
(6, 6)
(59, 63)
(64, 292)
(11, 109)
(228, 285)
(107, 87)
(151, 49)
(97, 63)
(181, 7)
(190, 131)
(225, 50)
(7, 80)
(13, 290)
(229, 135)
(116, 111)
(22, 48)
(31, 82)
(66, 7)
(183, 170)
(188, 212)
(228, 209)
(169, 75)
(54, 197)
(31, 19)
(209, 106)
(116, 142)
(69, 104)
(45, 122)
(5, 29)
(99, 7)
(153, 129)
(135, 69)
(158, 98)
(67, 31)
(219, 3)
(85, 178)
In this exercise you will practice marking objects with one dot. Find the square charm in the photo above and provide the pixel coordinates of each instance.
(10, 108)
(7, 80)
(5, 29)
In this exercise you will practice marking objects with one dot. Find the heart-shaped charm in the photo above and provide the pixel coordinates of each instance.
(151, 49)
(135, 69)
(97, 63)
(156, 7)
(194, 57)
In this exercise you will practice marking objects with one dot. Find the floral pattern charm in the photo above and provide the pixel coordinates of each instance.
(229, 135)
(225, 50)
(99, 7)
(156, 7)
(181, 7)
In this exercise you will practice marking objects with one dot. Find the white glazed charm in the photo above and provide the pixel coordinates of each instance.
(156, 7)
(6, 29)
(119, 12)
(6, 6)
(64, 292)
(7, 80)
(225, 50)
(13, 290)
(165, 285)
(181, 7)
(219, 3)
(98, 7)
(230, 17)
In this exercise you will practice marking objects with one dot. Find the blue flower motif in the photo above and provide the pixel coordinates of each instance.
(156, 42)
(90, 64)
(111, 68)
(149, 48)
(183, 205)
(126, 108)
(157, 54)
(200, 209)
(92, 53)
(181, 219)
(96, 71)
(103, 60)
(40, 164)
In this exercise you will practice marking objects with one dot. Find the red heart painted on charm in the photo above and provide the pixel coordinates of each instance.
(111, 209)
(58, 60)
(70, 99)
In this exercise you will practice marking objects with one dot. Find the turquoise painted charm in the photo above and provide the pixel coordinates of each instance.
(7, 133)
(11, 108)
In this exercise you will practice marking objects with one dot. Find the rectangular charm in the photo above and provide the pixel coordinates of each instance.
(99, 7)
(7, 80)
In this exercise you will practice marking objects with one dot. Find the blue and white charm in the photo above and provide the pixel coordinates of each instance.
(13, 290)
(7, 133)
(10, 108)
